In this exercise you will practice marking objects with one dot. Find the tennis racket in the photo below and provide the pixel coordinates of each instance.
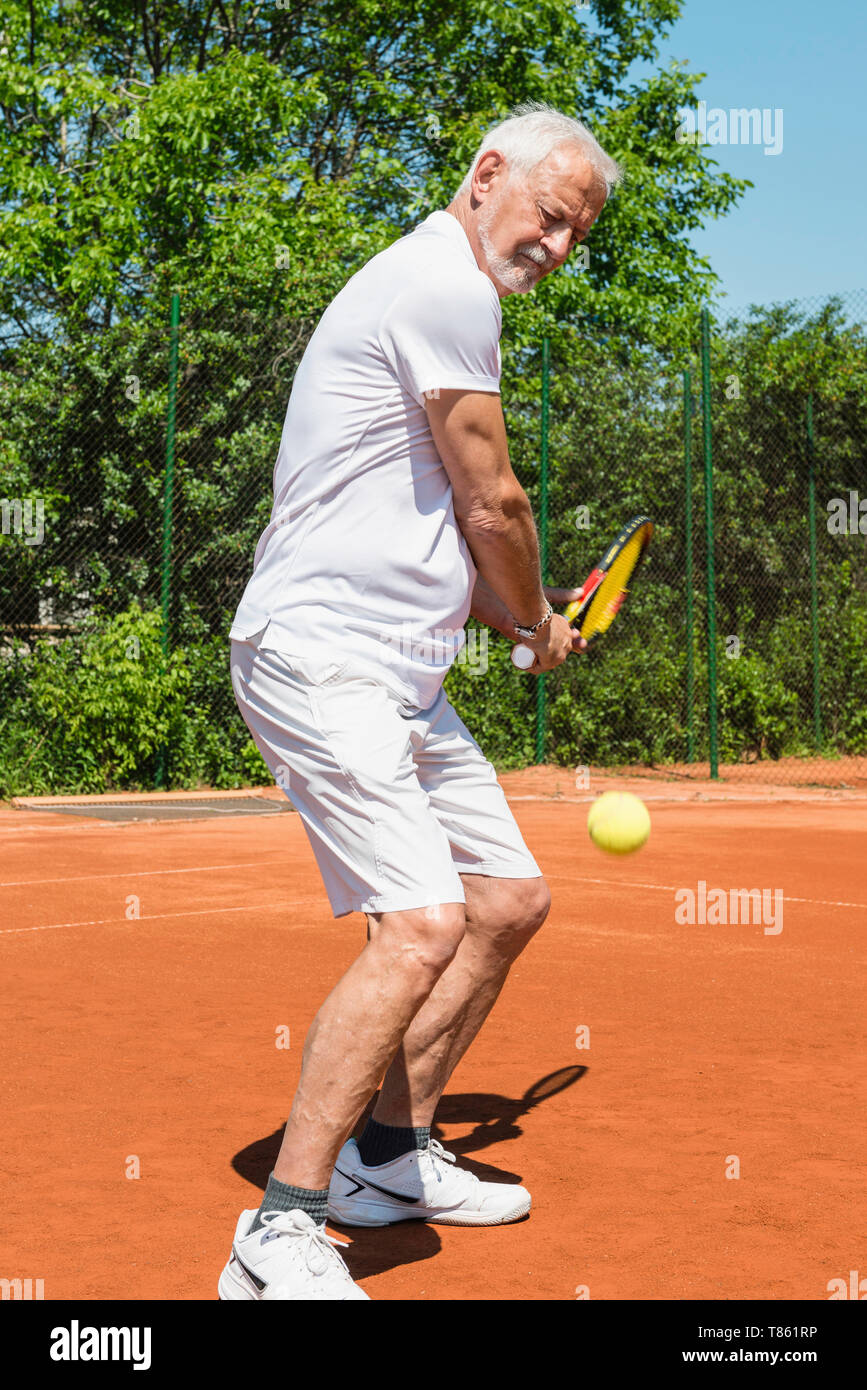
(605, 588)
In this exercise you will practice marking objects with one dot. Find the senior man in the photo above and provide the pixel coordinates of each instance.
(396, 515)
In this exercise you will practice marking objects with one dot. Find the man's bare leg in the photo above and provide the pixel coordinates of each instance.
(357, 1031)
(501, 917)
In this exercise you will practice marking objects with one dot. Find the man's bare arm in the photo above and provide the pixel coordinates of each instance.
(495, 516)
(488, 608)
(491, 507)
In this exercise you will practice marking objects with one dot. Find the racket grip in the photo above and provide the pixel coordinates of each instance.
(522, 657)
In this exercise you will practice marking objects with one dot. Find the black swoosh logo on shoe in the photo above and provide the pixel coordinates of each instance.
(257, 1283)
(398, 1196)
(358, 1185)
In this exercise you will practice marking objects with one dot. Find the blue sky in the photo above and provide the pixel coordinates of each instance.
(802, 230)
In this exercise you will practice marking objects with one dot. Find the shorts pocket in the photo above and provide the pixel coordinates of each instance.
(358, 717)
(314, 671)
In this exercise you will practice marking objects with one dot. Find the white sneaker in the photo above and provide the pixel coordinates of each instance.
(288, 1257)
(418, 1186)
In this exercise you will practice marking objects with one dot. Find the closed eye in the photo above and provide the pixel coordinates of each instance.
(550, 217)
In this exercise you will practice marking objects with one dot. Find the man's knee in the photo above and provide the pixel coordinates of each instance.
(423, 939)
(511, 911)
(532, 903)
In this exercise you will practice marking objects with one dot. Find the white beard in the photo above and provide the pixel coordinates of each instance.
(514, 276)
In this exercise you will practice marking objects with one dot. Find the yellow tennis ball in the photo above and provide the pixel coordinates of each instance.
(618, 822)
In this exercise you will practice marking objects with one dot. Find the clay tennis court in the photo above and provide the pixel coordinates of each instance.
(149, 1043)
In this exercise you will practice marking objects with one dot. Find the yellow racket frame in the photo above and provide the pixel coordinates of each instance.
(619, 563)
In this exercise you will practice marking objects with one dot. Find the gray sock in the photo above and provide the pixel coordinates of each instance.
(281, 1196)
(381, 1143)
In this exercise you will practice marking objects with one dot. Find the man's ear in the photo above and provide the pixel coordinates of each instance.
(490, 170)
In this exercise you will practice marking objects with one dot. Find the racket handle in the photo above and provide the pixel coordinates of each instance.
(523, 657)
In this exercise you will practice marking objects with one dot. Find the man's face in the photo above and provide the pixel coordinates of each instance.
(528, 223)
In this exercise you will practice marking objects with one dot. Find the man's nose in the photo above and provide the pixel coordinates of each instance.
(557, 243)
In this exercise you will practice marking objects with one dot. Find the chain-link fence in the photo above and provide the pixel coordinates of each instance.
(752, 452)
(785, 448)
(133, 495)
(133, 498)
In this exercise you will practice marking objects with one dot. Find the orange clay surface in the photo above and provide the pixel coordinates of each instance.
(149, 1040)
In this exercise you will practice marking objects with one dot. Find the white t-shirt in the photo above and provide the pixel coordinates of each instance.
(363, 560)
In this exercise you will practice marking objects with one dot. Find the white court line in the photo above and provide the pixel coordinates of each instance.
(161, 916)
(139, 873)
(99, 827)
(850, 797)
(304, 902)
(670, 888)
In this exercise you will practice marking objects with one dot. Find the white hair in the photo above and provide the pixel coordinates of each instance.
(531, 132)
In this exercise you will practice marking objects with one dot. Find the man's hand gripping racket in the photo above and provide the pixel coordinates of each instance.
(604, 589)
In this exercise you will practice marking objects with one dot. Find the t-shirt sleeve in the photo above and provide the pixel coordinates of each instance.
(444, 337)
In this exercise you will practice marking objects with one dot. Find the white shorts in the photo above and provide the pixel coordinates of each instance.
(397, 803)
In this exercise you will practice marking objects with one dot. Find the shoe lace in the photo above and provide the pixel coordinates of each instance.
(436, 1149)
(318, 1249)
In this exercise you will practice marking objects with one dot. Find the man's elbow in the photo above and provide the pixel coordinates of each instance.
(494, 513)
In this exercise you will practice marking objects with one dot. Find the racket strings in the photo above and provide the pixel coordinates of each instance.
(613, 589)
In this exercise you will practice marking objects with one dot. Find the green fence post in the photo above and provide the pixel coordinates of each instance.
(166, 575)
(690, 646)
(709, 533)
(541, 711)
(814, 596)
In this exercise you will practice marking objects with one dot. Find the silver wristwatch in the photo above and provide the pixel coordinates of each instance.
(532, 631)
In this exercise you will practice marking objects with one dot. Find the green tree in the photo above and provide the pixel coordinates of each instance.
(252, 158)
(157, 143)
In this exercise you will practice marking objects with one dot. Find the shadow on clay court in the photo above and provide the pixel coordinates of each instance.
(494, 1119)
